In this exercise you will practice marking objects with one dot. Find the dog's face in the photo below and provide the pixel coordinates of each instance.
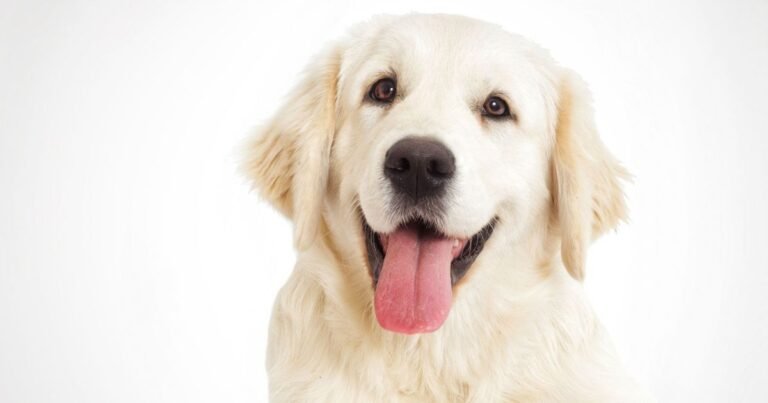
(434, 132)
(444, 123)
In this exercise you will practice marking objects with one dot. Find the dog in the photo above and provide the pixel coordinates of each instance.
(445, 180)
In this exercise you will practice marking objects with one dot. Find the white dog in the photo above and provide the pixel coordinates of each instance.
(445, 180)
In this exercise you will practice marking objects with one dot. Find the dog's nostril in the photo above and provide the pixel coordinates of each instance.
(399, 165)
(440, 168)
(432, 167)
(418, 166)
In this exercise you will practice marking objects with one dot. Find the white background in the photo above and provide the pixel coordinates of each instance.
(135, 266)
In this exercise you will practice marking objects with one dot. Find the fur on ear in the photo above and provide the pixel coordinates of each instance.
(587, 192)
(289, 158)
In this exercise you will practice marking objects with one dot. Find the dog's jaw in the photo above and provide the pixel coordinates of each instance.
(460, 265)
(414, 282)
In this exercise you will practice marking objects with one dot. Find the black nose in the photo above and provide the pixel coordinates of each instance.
(419, 167)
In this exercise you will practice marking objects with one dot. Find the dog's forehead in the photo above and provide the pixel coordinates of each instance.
(455, 54)
(438, 43)
(440, 37)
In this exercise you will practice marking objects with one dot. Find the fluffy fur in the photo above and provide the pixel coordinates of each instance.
(520, 329)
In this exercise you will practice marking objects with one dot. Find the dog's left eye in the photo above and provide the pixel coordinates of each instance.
(495, 107)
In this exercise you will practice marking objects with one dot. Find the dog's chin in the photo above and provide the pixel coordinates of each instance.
(414, 270)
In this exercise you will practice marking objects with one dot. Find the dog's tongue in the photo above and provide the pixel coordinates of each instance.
(413, 293)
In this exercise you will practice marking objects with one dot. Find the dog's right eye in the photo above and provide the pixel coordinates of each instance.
(383, 91)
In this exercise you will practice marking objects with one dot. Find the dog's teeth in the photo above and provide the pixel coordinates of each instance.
(455, 242)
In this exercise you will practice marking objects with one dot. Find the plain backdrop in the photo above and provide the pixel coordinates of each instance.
(136, 266)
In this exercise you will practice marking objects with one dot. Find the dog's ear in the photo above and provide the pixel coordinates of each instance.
(586, 185)
(288, 160)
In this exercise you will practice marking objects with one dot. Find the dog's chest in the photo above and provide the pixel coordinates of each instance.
(428, 370)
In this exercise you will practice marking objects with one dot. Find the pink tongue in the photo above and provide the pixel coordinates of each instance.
(413, 294)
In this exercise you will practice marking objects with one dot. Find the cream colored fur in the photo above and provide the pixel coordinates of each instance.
(520, 329)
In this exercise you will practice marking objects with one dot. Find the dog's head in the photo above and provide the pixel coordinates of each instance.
(426, 135)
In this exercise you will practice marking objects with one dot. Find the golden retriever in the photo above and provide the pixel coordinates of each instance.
(445, 180)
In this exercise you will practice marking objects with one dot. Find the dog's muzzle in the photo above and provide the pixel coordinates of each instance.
(415, 266)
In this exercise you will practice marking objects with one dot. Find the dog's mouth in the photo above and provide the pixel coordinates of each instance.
(414, 269)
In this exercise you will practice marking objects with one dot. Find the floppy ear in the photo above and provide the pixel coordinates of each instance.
(289, 158)
(587, 193)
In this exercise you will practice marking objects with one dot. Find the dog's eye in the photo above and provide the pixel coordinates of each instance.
(495, 107)
(383, 91)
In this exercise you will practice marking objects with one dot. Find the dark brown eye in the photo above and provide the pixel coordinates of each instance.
(495, 107)
(383, 90)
